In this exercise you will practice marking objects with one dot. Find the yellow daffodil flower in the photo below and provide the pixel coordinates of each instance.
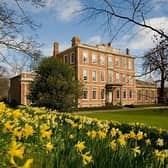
(113, 145)
(86, 158)
(136, 151)
(80, 146)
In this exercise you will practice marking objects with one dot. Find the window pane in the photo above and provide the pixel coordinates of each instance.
(110, 62)
(130, 94)
(117, 62)
(110, 76)
(139, 94)
(65, 59)
(102, 93)
(94, 93)
(102, 59)
(94, 58)
(85, 93)
(94, 75)
(124, 78)
(117, 77)
(118, 93)
(85, 57)
(102, 75)
(124, 94)
(72, 58)
(85, 74)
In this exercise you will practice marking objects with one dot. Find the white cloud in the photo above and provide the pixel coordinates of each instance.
(142, 39)
(66, 10)
(94, 40)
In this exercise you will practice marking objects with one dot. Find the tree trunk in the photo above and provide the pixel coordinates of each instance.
(161, 94)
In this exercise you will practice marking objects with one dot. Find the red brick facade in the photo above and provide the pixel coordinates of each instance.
(107, 75)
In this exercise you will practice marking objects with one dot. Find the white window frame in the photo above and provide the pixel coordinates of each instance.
(124, 93)
(117, 77)
(85, 58)
(94, 72)
(94, 59)
(65, 59)
(85, 89)
(102, 94)
(118, 93)
(102, 75)
(85, 74)
(110, 60)
(94, 90)
(139, 95)
(130, 93)
(124, 62)
(72, 61)
(110, 76)
(117, 62)
(124, 78)
(102, 60)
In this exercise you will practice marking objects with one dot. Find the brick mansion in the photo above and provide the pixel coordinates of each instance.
(107, 75)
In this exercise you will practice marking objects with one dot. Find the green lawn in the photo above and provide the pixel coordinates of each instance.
(155, 117)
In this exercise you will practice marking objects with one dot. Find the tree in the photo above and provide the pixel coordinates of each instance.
(54, 86)
(13, 22)
(156, 61)
(121, 13)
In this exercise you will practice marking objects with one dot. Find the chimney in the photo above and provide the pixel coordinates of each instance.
(56, 49)
(127, 51)
(75, 40)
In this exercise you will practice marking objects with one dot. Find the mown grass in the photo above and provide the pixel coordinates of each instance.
(151, 117)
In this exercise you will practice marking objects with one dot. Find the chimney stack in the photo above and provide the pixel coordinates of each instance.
(75, 41)
(56, 49)
(127, 51)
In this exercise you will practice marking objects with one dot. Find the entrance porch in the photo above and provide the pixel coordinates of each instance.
(113, 94)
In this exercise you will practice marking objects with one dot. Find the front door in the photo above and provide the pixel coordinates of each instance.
(110, 95)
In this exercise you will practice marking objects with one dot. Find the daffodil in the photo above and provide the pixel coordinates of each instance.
(17, 132)
(71, 136)
(91, 134)
(132, 134)
(113, 145)
(17, 114)
(80, 146)
(101, 134)
(113, 132)
(160, 156)
(49, 146)
(28, 130)
(15, 150)
(122, 140)
(148, 142)
(160, 142)
(139, 135)
(27, 164)
(86, 158)
(136, 151)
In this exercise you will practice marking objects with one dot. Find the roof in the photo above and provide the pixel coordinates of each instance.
(101, 48)
(145, 83)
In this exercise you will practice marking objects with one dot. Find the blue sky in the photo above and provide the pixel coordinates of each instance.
(60, 23)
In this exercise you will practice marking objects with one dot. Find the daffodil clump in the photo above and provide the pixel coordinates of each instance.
(40, 138)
